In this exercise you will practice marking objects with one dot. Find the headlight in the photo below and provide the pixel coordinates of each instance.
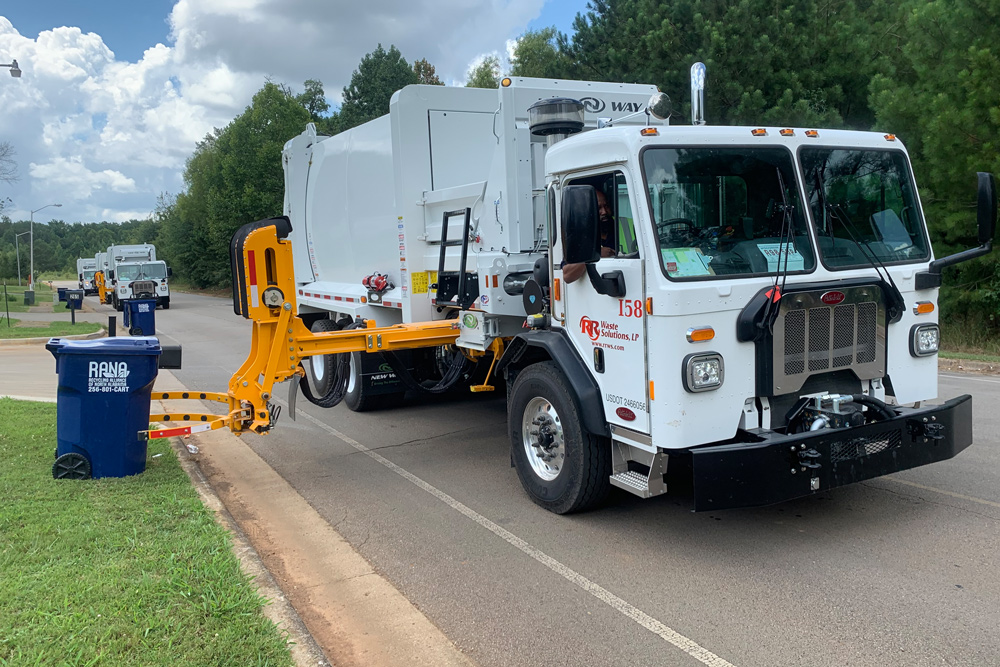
(925, 339)
(703, 371)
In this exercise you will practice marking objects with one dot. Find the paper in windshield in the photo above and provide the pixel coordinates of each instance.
(775, 254)
(685, 262)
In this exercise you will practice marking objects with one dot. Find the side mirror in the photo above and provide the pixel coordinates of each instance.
(111, 275)
(170, 272)
(580, 225)
(986, 212)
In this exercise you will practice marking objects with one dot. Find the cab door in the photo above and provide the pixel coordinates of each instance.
(609, 331)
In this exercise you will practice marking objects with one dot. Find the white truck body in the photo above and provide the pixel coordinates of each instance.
(85, 268)
(137, 262)
(372, 200)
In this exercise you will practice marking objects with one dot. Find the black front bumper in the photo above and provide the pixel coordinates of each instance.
(783, 467)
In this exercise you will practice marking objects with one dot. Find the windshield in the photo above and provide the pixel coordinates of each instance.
(89, 274)
(721, 211)
(156, 271)
(127, 271)
(866, 206)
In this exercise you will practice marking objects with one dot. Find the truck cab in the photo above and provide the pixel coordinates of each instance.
(143, 280)
(756, 307)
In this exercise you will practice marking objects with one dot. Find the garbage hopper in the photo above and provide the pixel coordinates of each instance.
(62, 293)
(140, 316)
(102, 404)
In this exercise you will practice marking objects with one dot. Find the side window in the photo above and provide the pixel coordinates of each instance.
(618, 225)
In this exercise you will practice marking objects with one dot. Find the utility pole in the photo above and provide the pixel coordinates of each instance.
(31, 278)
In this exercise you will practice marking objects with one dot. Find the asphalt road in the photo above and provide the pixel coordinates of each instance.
(897, 571)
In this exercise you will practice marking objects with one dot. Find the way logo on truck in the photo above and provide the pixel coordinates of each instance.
(592, 104)
(832, 298)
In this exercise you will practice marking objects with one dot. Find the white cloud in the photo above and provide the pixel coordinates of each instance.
(105, 137)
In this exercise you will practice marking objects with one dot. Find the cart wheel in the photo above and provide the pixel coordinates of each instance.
(71, 466)
(135, 331)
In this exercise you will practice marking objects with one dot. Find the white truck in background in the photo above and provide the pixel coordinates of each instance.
(743, 311)
(134, 272)
(85, 269)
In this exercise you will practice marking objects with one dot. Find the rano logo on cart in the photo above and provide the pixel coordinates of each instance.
(107, 376)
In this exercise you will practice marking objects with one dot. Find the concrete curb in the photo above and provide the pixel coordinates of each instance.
(101, 333)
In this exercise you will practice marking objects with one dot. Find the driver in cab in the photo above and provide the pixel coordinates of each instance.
(573, 272)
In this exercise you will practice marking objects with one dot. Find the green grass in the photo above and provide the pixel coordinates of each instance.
(130, 571)
(52, 330)
(962, 336)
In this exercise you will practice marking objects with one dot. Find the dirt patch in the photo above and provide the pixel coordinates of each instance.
(968, 366)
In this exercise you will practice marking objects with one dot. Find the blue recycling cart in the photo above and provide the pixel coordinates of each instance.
(140, 316)
(62, 293)
(102, 404)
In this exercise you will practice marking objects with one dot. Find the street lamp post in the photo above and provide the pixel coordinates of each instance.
(15, 71)
(31, 228)
(18, 253)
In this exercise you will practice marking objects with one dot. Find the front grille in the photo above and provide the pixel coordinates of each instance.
(811, 337)
(856, 448)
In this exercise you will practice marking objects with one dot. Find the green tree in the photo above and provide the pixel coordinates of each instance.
(425, 73)
(380, 74)
(795, 63)
(485, 75)
(8, 166)
(313, 99)
(538, 54)
(943, 99)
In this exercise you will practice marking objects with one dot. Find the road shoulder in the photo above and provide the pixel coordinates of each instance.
(354, 614)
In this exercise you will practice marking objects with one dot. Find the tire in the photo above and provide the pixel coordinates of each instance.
(320, 369)
(577, 476)
(119, 305)
(358, 399)
(166, 303)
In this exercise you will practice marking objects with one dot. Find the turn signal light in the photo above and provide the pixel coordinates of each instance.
(700, 334)
(759, 132)
(506, 82)
(649, 132)
(923, 307)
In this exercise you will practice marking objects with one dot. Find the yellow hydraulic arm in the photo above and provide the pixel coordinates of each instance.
(264, 292)
(103, 293)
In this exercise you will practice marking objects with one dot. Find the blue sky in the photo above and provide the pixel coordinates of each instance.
(116, 94)
(129, 27)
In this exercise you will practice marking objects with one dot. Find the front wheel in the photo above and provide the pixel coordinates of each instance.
(563, 468)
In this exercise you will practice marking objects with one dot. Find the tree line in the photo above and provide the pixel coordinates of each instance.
(925, 70)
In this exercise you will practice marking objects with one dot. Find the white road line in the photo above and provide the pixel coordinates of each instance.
(669, 635)
(968, 377)
(971, 499)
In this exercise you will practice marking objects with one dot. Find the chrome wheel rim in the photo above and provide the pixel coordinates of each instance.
(318, 367)
(350, 379)
(542, 437)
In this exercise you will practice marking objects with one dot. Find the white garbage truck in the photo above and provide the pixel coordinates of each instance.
(86, 267)
(135, 273)
(744, 314)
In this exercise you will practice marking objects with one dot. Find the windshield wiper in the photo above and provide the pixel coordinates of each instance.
(894, 296)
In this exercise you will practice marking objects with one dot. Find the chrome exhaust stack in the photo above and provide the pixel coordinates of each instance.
(698, 94)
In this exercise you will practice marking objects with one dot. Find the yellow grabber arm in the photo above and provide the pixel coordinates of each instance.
(103, 292)
(264, 292)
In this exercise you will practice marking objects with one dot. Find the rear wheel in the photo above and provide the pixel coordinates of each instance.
(319, 369)
(360, 398)
(563, 468)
